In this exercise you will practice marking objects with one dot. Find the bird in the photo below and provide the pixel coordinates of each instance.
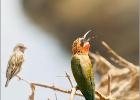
(82, 68)
(15, 62)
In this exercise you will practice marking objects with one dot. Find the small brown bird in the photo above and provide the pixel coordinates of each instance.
(15, 62)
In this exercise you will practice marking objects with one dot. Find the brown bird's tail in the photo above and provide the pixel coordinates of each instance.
(7, 82)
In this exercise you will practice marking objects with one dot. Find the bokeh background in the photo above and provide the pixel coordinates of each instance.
(48, 28)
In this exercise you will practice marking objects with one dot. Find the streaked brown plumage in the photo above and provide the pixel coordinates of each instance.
(15, 62)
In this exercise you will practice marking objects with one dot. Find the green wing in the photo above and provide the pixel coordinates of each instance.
(83, 73)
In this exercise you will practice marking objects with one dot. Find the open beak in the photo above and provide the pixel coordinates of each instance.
(85, 35)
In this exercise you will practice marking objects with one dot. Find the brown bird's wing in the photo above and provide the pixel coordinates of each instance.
(14, 64)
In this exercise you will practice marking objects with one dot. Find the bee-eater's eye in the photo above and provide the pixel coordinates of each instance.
(82, 42)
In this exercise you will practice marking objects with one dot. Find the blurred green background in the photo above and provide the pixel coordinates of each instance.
(116, 22)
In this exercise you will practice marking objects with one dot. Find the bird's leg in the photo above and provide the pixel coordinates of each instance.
(77, 87)
(19, 77)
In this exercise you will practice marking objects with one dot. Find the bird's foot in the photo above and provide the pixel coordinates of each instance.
(77, 87)
(19, 78)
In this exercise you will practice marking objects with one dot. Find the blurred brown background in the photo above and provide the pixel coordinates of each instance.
(116, 22)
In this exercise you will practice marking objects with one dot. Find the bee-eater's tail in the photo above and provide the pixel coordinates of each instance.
(92, 97)
(89, 96)
(7, 82)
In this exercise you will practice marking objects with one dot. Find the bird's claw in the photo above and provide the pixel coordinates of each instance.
(77, 87)
(19, 78)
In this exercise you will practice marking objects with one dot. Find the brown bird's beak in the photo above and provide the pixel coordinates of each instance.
(25, 47)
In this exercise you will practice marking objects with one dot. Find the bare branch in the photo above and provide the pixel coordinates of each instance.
(31, 97)
(53, 87)
(102, 63)
(101, 96)
(119, 59)
(109, 84)
(22, 79)
(68, 77)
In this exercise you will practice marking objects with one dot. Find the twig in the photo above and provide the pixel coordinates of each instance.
(32, 84)
(102, 63)
(109, 97)
(109, 88)
(73, 93)
(56, 88)
(126, 86)
(119, 59)
(55, 96)
(31, 97)
(102, 97)
(109, 84)
(68, 77)
(22, 79)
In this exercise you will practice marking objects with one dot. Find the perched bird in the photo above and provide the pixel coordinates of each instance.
(15, 62)
(82, 68)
